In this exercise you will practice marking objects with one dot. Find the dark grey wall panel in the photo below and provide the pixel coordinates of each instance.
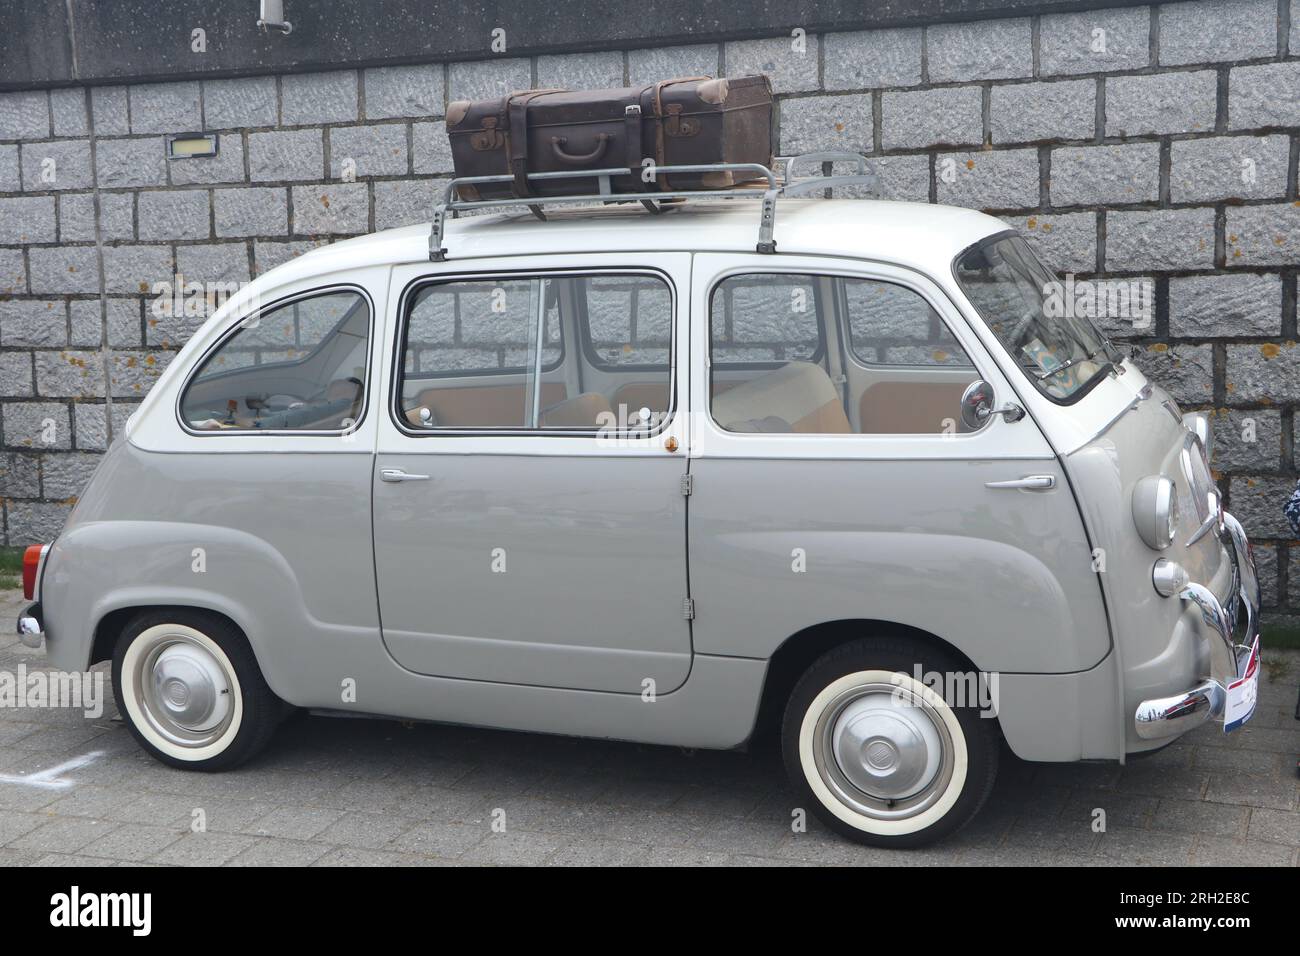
(120, 40)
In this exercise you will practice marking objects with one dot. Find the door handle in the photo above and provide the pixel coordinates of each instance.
(396, 474)
(1030, 483)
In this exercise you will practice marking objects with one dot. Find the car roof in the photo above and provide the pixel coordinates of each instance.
(919, 235)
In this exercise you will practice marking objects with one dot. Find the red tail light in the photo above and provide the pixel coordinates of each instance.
(31, 564)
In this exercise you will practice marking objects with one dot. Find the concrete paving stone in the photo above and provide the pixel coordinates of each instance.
(1122, 809)
(203, 849)
(659, 827)
(1130, 845)
(273, 852)
(1162, 781)
(15, 823)
(354, 856)
(294, 822)
(1074, 836)
(1240, 790)
(73, 860)
(1096, 776)
(730, 835)
(1196, 816)
(1219, 851)
(63, 835)
(132, 841)
(365, 830)
(593, 851)
(514, 848)
(446, 840)
(721, 800)
(1223, 760)
(1275, 826)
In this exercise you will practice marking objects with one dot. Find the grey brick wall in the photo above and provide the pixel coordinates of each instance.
(1156, 142)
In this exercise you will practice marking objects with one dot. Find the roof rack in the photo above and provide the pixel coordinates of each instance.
(766, 192)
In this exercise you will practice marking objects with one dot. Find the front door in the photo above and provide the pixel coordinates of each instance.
(529, 519)
(834, 479)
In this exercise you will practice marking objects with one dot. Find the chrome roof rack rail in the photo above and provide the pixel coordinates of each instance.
(764, 187)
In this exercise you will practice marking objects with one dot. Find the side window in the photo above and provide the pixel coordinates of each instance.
(300, 366)
(891, 325)
(765, 319)
(780, 364)
(470, 355)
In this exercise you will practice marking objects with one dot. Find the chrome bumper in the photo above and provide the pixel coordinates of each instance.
(1170, 716)
(31, 631)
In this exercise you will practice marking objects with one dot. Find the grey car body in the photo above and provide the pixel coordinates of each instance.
(650, 594)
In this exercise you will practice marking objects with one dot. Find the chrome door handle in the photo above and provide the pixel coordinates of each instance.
(1032, 483)
(396, 474)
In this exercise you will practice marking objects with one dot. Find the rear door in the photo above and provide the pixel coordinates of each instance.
(528, 529)
(833, 480)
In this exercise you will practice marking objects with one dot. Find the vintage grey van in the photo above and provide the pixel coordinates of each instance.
(835, 467)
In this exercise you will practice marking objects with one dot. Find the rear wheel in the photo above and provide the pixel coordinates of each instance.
(191, 690)
(878, 755)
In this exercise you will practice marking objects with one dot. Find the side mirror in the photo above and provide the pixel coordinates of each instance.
(977, 406)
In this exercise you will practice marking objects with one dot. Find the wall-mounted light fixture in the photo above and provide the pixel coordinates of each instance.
(272, 17)
(191, 145)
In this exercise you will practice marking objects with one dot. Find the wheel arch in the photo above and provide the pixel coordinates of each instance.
(111, 624)
(797, 652)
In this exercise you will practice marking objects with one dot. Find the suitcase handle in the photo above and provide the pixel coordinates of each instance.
(579, 159)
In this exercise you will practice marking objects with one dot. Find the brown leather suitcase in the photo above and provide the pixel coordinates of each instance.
(692, 121)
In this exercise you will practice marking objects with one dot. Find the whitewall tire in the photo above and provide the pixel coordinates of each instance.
(191, 691)
(878, 755)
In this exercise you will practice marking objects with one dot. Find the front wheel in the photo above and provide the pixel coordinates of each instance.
(880, 756)
(191, 690)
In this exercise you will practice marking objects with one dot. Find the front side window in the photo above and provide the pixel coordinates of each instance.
(300, 366)
(564, 352)
(824, 354)
(1021, 300)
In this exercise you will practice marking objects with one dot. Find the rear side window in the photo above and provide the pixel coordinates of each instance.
(300, 366)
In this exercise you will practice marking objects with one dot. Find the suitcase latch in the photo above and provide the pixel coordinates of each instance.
(677, 125)
(488, 138)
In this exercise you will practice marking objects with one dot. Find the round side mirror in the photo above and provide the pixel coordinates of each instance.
(976, 404)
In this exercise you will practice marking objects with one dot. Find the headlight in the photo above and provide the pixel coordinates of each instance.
(1155, 511)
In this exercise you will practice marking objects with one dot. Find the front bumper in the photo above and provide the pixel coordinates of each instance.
(31, 626)
(1170, 716)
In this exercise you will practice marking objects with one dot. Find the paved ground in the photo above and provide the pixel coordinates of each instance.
(355, 792)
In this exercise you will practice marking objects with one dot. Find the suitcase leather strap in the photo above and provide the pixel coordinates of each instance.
(517, 137)
(660, 151)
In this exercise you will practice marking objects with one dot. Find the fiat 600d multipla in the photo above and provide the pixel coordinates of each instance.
(841, 469)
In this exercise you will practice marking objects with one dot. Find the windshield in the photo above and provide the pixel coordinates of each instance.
(1021, 300)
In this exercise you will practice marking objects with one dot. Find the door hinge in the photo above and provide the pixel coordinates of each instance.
(688, 484)
(688, 609)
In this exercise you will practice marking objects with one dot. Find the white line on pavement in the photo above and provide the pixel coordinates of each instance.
(50, 779)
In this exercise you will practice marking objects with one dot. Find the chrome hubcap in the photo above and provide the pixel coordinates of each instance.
(184, 691)
(883, 751)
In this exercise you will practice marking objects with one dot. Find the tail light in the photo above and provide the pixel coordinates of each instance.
(31, 568)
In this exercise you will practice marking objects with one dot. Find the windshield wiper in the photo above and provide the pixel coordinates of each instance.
(1073, 362)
